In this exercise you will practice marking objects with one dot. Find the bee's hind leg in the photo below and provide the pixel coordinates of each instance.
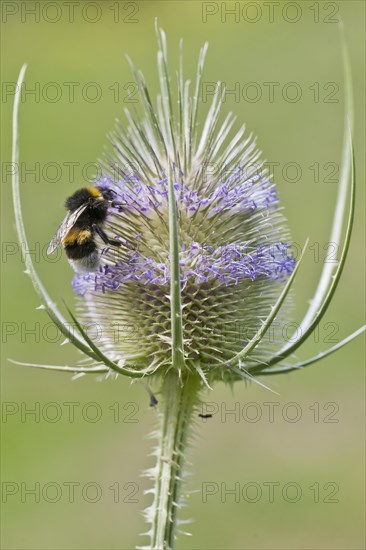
(104, 236)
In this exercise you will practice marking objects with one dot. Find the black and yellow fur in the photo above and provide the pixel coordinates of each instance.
(80, 241)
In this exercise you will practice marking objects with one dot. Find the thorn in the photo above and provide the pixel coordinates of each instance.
(169, 461)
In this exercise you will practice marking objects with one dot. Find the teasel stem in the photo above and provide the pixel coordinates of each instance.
(178, 405)
(179, 396)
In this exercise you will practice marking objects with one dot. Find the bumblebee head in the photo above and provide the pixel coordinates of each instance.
(107, 194)
(110, 196)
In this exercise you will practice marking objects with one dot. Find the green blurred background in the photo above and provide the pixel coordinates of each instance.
(321, 449)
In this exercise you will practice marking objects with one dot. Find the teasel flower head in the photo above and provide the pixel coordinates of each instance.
(204, 267)
(232, 239)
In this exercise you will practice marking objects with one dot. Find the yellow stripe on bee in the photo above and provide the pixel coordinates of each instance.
(94, 192)
(77, 236)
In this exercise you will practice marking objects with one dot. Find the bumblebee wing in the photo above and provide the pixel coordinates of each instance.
(68, 222)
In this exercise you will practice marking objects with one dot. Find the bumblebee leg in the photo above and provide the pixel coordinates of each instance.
(104, 237)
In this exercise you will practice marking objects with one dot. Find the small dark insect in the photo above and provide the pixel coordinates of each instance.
(205, 415)
(153, 400)
(87, 213)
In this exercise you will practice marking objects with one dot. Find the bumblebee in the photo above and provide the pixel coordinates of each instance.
(84, 221)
